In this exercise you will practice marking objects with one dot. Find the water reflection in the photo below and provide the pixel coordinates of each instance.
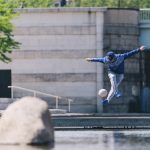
(94, 140)
(24, 147)
(103, 140)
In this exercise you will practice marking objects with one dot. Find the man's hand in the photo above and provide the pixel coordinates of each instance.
(88, 59)
(142, 48)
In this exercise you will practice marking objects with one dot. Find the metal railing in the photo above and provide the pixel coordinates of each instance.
(57, 98)
(144, 14)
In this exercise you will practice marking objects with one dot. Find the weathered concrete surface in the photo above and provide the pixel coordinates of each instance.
(121, 29)
(101, 121)
(121, 33)
(56, 48)
(26, 121)
(56, 42)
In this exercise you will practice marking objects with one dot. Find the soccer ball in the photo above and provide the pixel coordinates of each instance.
(102, 93)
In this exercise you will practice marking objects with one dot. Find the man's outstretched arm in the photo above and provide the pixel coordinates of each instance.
(133, 52)
(95, 59)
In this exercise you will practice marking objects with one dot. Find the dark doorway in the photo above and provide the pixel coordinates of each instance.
(146, 87)
(5, 81)
(147, 68)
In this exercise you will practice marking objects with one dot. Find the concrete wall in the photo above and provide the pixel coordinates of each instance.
(121, 33)
(121, 29)
(54, 43)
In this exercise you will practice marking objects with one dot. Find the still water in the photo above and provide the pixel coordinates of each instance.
(95, 140)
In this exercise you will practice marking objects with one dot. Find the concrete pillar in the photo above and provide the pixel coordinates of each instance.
(99, 53)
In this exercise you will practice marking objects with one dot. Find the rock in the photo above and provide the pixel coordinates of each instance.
(26, 121)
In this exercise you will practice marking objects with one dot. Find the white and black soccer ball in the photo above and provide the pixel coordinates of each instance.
(102, 93)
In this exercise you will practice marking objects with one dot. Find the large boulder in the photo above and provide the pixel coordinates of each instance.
(26, 121)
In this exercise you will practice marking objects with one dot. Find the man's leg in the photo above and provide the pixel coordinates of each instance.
(113, 88)
(119, 78)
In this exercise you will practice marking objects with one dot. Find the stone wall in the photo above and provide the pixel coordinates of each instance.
(121, 29)
(122, 34)
(51, 59)
(54, 43)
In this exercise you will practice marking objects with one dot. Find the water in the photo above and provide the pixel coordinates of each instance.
(95, 140)
(103, 140)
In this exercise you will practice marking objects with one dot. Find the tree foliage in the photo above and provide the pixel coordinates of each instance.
(7, 43)
(34, 3)
(85, 3)
(112, 3)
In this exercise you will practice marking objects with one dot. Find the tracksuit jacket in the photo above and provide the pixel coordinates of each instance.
(118, 65)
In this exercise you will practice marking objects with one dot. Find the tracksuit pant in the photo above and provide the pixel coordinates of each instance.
(115, 80)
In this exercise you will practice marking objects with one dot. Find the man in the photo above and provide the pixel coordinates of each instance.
(115, 64)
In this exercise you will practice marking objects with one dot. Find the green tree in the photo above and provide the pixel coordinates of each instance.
(34, 3)
(85, 3)
(7, 42)
(112, 3)
(144, 4)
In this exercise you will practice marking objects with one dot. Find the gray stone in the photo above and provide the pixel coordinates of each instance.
(58, 111)
(75, 9)
(55, 77)
(56, 48)
(26, 121)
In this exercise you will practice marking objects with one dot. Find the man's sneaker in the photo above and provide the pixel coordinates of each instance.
(118, 94)
(105, 102)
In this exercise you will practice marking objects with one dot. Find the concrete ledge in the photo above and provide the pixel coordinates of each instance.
(55, 77)
(102, 121)
(75, 9)
(56, 30)
(58, 111)
(47, 54)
